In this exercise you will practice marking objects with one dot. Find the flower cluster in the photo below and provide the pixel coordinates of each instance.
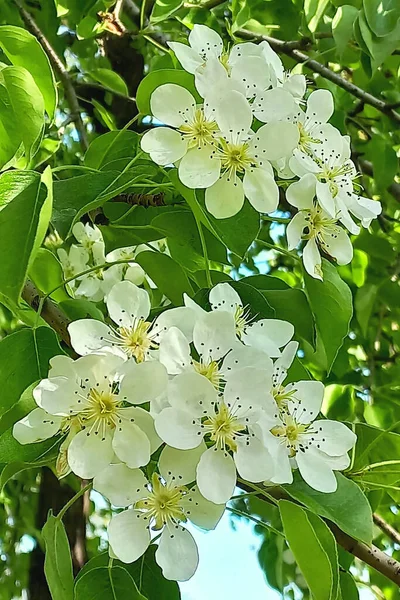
(90, 252)
(253, 127)
(206, 391)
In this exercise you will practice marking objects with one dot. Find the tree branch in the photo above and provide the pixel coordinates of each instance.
(371, 555)
(62, 72)
(390, 531)
(51, 313)
(292, 51)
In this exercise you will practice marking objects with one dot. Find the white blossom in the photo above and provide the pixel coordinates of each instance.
(165, 504)
(295, 439)
(230, 421)
(314, 225)
(91, 398)
(132, 335)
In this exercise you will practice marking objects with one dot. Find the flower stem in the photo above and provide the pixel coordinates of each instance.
(259, 490)
(205, 251)
(275, 219)
(255, 520)
(278, 249)
(73, 500)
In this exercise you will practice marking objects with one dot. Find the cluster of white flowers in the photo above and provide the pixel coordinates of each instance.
(206, 386)
(90, 252)
(252, 127)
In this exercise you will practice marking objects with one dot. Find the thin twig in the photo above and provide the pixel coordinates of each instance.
(288, 49)
(390, 531)
(61, 70)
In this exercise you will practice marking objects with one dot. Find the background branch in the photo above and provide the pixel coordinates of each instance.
(60, 69)
(390, 531)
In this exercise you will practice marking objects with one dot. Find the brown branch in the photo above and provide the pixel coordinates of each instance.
(371, 555)
(51, 313)
(62, 72)
(390, 531)
(287, 48)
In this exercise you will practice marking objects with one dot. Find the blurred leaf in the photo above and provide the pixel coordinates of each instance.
(46, 273)
(342, 26)
(57, 563)
(383, 16)
(109, 79)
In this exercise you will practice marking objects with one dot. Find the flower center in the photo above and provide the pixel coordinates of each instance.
(199, 131)
(282, 397)
(306, 140)
(291, 432)
(102, 407)
(235, 157)
(136, 340)
(223, 428)
(209, 370)
(330, 174)
(241, 316)
(164, 503)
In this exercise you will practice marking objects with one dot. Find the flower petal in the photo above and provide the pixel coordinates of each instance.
(202, 512)
(187, 56)
(225, 198)
(233, 115)
(89, 454)
(338, 244)
(269, 335)
(199, 168)
(325, 198)
(38, 425)
(126, 302)
(295, 229)
(320, 106)
(216, 475)
(57, 396)
(224, 297)
(315, 471)
(174, 352)
(275, 140)
(130, 443)
(165, 145)
(89, 335)
(253, 461)
(248, 388)
(308, 396)
(301, 193)
(250, 71)
(245, 356)
(180, 465)
(296, 84)
(177, 554)
(181, 317)
(205, 41)
(274, 105)
(121, 485)
(172, 104)
(145, 421)
(192, 393)
(312, 259)
(214, 334)
(261, 190)
(334, 438)
(178, 429)
(142, 382)
(128, 535)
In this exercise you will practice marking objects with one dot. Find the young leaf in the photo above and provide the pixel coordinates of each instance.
(57, 562)
(24, 50)
(107, 583)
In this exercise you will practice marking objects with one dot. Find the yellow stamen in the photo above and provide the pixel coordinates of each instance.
(136, 340)
(223, 428)
(209, 370)
(199, 131)
(164, 503)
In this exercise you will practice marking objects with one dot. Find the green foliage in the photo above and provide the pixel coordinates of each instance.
(58, 563)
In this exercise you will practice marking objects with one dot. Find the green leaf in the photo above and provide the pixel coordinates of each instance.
(379, 48)
(237, 233)
(384, 160)
(46, 273)
(110, 147)
(364, 303)
(179, 226)
(57, 562)
(156, 78)
(81, 309)
(313, 16)
(376, 446)
(25, 195)
(347, 507)
(163, 9)
(107, 583)
(313, 546)
(78, 195)
(27, 103)
(145, 572)
(37, 347)
(10, 139)
(169, 277)
(339, 402)
(342, 26)
(253, 299)
(348, 587)
(109, 79)
(24, 50)
(383, 16)
(331, 304)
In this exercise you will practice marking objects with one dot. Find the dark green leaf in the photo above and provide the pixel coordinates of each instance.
(347, 507)
(110, 147)
(107, 583)
(159, 77)
(169, 277)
